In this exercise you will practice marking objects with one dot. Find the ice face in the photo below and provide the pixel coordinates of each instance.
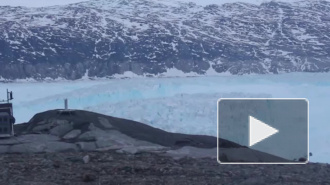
(186, 105)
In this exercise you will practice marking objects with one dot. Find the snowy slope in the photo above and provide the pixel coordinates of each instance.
(256, 2)
(185, 105)
(105, 38)
(43, 3)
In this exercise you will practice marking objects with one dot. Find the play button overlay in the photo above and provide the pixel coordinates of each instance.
(259, 131)
(263, 131)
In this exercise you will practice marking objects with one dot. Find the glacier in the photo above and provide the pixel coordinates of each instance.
(178, 104)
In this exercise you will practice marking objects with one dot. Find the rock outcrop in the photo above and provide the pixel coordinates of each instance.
(82, 131)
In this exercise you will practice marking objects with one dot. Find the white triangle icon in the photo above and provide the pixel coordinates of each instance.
(259, 131)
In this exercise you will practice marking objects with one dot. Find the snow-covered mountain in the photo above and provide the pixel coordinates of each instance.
(101, 38)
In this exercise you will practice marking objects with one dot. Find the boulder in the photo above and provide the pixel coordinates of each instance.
(61, 147)
(42, 126)
(87, 136)
(92, 127)
(105, 123)
(28, 148)
(72, 134)
(29, 138)
(113, 138)
(86, 159)
(141, 149)
(4, 149)
(86, 146)
(61, 129)
(39, 147)
(193, 152)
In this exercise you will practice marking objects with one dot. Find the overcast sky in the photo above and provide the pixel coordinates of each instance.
(40, 3)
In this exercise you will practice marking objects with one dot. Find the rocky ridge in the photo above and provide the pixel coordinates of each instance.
(82, 131)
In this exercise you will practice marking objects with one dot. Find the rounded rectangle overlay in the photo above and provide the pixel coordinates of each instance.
(268, 130)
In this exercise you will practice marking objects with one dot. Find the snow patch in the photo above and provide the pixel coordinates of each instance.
(85, 77)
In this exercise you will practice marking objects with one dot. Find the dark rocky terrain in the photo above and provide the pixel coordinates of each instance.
(114, 168)
(102, 38)
(80, 147)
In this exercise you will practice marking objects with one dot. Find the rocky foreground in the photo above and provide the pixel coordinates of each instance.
(81, 147)
(101, 168)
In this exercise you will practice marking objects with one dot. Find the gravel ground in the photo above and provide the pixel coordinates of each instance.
(101, 168)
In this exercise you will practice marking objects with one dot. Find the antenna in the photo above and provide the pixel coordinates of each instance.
(9, 95)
